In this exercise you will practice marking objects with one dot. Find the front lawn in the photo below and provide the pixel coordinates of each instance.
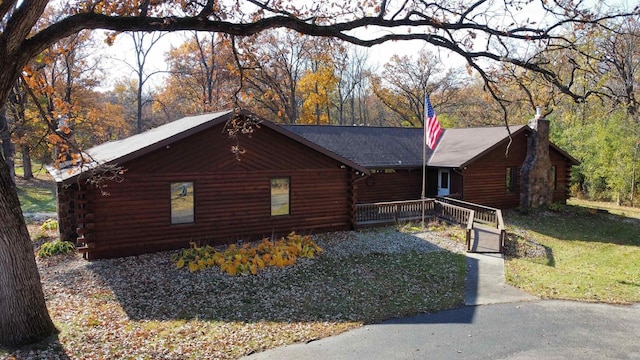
(143, 307)
(585, 255)
(37, 194)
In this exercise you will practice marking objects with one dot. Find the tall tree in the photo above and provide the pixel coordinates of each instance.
(273, 63)
(318, 84)
(200, 77)
(454, 26)
(353, 89)
(8, 149)
(405, 82)
(143, 45)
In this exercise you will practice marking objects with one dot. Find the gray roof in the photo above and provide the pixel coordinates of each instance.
(459, 147)
(122, 150)
(371, 147)
(359, 147)
(393, 147)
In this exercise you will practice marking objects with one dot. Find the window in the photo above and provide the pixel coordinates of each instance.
(511, 179)
(280, 198)
(554, 177)
(182, 203)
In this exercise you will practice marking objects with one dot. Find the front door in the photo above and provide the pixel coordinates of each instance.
(444, 182)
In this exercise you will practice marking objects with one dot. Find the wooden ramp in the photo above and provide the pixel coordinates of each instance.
(485, 239)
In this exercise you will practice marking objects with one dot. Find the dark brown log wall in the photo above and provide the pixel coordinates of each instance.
(485, 179)
(232, 197)
(563, 176)
(397, 186)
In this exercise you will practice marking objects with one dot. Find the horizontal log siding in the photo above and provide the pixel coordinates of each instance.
(398, 186)
(485, 179)
(563, 176)
(232, 198)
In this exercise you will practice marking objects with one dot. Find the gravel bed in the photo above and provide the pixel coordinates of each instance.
(384, 241)
(142, 307)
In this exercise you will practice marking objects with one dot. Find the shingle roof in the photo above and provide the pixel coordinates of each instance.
(360, 147)
(371, 147)
(133, 146)
(120, 151)
(392, 147)
(459, 147)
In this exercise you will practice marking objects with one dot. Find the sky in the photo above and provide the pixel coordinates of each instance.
(122, 50)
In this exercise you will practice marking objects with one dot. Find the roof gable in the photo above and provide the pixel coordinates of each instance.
(460, 147)
(121, 151)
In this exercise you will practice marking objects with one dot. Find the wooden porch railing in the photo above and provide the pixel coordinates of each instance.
(452, 213)
(457, 211)
(391, 212)
(483, 214)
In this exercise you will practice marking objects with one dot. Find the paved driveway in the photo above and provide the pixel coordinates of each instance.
(542, 329)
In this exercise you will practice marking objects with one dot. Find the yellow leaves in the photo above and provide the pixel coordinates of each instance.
(193, 267)
(317, 88)
(249, 259)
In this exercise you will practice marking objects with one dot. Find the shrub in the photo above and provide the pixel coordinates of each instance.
(49, 224)
(55, 248)
(557, 207)
(249, 259)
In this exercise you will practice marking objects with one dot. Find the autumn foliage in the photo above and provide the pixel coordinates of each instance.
(249, 259)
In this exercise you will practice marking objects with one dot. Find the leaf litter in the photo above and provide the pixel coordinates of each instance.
(143, 307)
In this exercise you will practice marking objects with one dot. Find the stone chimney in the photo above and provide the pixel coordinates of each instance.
(536, 189)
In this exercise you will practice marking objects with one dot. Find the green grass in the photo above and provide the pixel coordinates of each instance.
(37, 194)
(590, 255)
(611, 207)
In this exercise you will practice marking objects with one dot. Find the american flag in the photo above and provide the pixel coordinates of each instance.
(432, 128)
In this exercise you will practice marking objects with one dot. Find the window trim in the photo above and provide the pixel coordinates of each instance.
(511, 176)
(271, 196)
(190, 184)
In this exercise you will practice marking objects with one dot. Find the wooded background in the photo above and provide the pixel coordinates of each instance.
(297, 79)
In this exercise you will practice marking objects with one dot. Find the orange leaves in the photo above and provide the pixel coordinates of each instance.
(249, 259)
(317, 88)
(111, 38)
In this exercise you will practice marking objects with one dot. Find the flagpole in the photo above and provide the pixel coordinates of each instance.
(424, 156)
(430, 124)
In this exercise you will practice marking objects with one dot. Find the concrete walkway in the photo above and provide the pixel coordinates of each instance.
(485, 239)
(485, 282)
(453, 334)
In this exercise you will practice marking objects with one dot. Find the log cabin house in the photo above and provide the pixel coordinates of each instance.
(189, 181)
(478, 165)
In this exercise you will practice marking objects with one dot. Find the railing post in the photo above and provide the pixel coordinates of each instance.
(469, 229)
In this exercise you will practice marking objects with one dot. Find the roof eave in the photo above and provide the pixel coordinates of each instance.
(493, 147)
(85, 173)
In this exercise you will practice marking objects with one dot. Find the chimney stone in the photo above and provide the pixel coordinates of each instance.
(536, 188)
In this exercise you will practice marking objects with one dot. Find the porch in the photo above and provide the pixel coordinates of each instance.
(485, 231)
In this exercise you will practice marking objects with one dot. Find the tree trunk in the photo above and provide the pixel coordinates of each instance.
(7, 147)
(26, 162)
(24, 317)
(633, 173)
